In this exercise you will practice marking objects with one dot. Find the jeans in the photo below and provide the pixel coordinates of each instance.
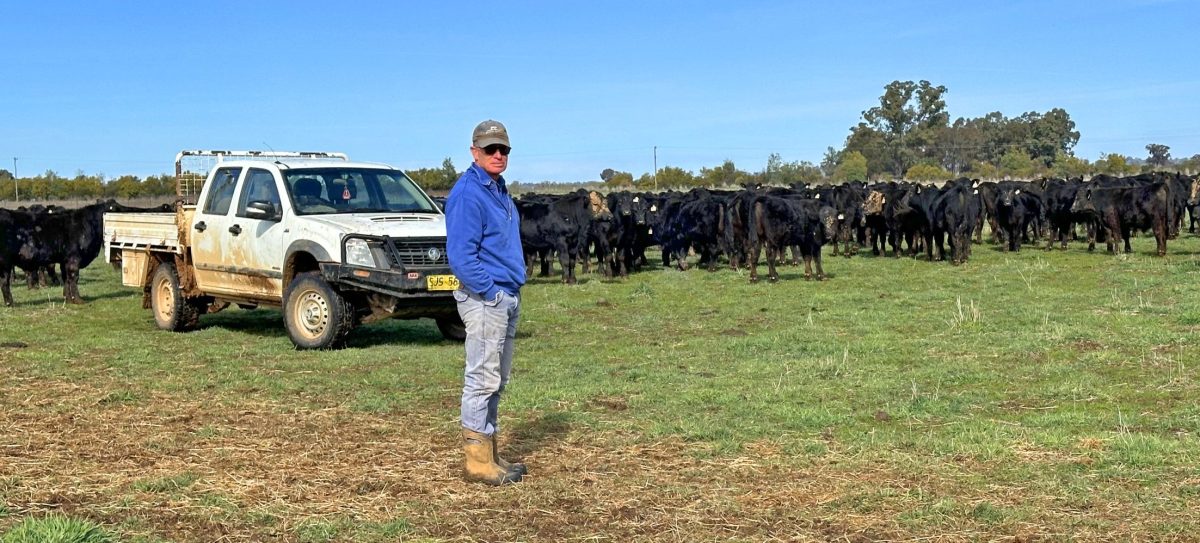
(491, 330)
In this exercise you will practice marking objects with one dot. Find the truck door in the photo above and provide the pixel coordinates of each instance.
(210, 235)
(256, 248)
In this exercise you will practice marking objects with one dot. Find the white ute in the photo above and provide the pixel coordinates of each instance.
(331, 242)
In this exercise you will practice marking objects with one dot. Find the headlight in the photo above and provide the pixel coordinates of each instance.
(358, 253)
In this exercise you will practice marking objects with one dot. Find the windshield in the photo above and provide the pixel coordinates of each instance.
(317, 191)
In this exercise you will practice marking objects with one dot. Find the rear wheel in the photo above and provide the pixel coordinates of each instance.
(316, 316)
(171, 309)
(452, 327)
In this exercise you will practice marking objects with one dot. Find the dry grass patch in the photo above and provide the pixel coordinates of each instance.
(193, 469)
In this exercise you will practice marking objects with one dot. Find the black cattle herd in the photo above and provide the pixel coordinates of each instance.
(735, 225)
(40, 239)
(897, 217)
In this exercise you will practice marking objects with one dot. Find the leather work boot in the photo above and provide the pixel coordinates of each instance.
(511, 467)
(481, 464)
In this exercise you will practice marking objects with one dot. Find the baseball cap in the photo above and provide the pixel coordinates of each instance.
(490, 132)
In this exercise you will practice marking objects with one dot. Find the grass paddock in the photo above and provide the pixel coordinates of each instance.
(1030, 396)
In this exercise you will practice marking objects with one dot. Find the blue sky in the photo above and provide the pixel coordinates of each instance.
(120, 87)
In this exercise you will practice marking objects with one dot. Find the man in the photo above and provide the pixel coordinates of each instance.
(483, 243)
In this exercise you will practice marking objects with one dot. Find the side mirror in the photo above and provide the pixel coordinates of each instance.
(263, 211)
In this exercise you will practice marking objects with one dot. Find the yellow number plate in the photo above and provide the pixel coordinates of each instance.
(441, 282)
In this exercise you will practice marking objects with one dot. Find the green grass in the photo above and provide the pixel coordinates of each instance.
(1056, 374)
(55, 529)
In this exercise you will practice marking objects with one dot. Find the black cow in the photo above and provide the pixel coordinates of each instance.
(556, 224)
(955, 214)
(15, 227)
(914, 216)
(779, 223)
(692, 222)
(1018, 207)
(1058, 197)
(1193, 203)
(71, 240)
(1120, 210)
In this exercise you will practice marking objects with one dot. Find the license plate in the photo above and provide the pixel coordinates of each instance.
(441, 282)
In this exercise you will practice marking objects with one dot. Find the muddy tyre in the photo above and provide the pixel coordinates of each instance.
(316, 316)
(452, 327)
(172, 311)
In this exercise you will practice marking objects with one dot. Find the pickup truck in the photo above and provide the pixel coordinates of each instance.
(333, 243)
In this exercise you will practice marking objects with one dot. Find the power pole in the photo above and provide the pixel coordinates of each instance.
(16, 191)
(655, 168)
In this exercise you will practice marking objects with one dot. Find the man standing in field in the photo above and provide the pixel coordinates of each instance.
(483, 243)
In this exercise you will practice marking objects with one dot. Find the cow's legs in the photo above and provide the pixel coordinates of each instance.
(774, 253)
(6, 285)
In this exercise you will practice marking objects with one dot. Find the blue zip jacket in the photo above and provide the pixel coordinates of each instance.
(483, 235)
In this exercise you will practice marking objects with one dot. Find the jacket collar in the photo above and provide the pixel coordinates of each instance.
(486, 180)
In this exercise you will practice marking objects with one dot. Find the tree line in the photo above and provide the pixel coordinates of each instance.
(909, 135)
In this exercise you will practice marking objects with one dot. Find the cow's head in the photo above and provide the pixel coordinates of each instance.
(1194, 197)
(1083, 201)
(598, 206)
(829, 222)
(873, 205)
(1008, 197)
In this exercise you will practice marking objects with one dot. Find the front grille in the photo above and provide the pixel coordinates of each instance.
(417, 253)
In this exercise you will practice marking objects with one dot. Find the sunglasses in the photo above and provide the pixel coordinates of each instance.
(491, 150)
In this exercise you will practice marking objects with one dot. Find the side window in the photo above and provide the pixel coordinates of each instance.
(220, 195)
(259, 187)
(399, 195)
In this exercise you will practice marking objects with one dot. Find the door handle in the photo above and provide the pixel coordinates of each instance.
(235, 229)
(200, 226)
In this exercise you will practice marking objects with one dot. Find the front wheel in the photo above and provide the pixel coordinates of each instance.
(452, 327)
(316, 316)
(171, 309)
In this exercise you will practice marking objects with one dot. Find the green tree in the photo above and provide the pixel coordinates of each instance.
(1189, 166)
(801, 172)
(927, 172)
(124, 187)
(1048, 134)
(1160, 155)
(724, 175)
(1067, 165)
(159, 185)
(674, 177)
(449, 174)
(985, 170)
(614, 178)
(869, 143)
(1017, 163)
(907, 130)
(851, 167)
(84, 186)
(829, 162)
(1114, 164)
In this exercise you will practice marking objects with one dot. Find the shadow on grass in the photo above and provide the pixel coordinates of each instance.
(528, 436)
(268, 323)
